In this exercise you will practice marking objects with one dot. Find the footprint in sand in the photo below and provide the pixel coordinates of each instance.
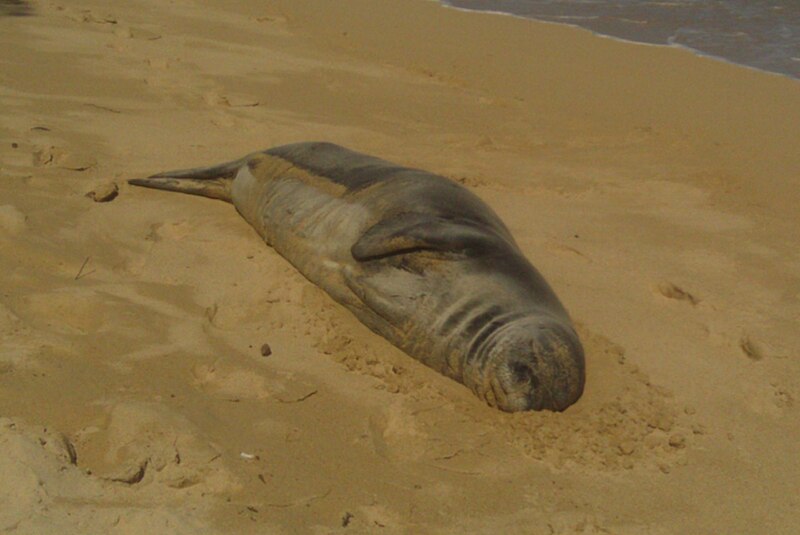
(61, 158)
(757, 349)
(752, 349)
(53, 442)
(672, 291)
(38, 468)
(144, 443)
(41, 486)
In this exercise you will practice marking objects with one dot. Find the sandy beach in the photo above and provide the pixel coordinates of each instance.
(656, 190)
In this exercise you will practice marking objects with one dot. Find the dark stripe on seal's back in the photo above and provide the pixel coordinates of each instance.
(351, 169)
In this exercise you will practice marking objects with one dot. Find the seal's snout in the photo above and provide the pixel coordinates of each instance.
(520, 387)
(535, 366)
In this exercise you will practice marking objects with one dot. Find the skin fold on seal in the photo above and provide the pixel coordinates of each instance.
(416, 257)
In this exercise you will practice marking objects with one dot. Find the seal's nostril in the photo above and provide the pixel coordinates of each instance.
(522, 374)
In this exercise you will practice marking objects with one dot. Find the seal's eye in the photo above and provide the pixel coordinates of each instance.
(522, 374)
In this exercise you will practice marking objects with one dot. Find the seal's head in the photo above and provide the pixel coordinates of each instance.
(528, 364)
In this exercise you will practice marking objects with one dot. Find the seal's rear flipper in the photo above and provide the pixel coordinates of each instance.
(214, 182)
(214, 188)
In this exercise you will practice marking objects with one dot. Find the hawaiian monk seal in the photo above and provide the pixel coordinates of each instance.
(416, 257)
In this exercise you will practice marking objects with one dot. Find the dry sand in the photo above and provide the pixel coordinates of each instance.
(657, 191)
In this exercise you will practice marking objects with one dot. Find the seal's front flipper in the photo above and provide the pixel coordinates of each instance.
(214, 182)
(389, 295)
(414, 232)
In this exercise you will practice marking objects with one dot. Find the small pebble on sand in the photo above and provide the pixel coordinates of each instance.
(105, 192)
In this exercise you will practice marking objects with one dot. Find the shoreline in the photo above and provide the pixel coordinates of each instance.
(670, 44)
(646, 75)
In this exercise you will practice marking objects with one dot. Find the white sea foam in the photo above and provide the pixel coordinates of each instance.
(761, 37)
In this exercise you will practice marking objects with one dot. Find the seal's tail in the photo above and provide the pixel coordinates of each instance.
(214, 182)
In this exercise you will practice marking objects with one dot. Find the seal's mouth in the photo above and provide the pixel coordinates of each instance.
(512, 388)
(520, 388)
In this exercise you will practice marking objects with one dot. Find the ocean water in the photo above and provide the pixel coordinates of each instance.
(763, 34)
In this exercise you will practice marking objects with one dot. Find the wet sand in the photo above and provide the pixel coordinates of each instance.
(657, 192)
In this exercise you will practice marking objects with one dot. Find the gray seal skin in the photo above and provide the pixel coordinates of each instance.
(416, 257)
